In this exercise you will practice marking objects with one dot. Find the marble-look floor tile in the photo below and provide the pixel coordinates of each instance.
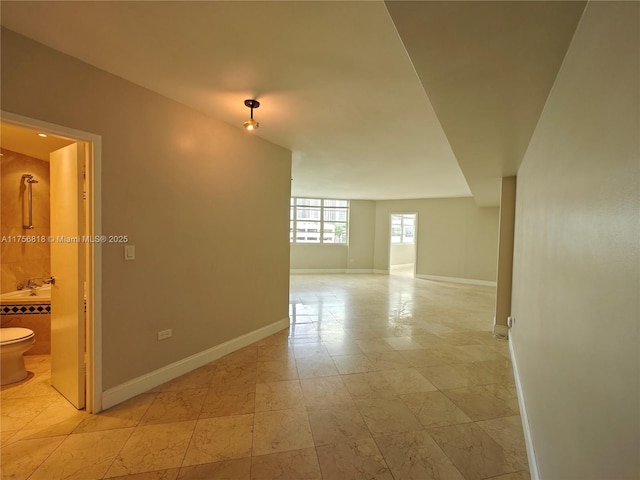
(318, 366)
(337, 424)
(169, 474)
(374, 345)
(198, 378)
(235, 374)
(175, 406)
(387, 341)
(153, 447)
(20, 459)
(245, 356)
(237, 469)
(428, 340)
(59, 418)
(6, 437)
(278, 338)
(388, 360)
(343, 347)
(416, 456)
(407, 380)
(325, 391)
(220, 438)
(278, 395)
(479, 403)
(18, 412)
(277, 370)
(307, 331)
(358, 460)
(291, 465)
(491, 372)
(465, 338)
(448, 376)
(403, 343)
(280, 352)
(474, 453)
(506, 392)
(309, 350)
(347, 364)
(230, 400)
(368, 385)
(508, 433)
(434, 409)
(386, 416)
(480, 353)
(521, 475)
(126, 414)
(361, 333)
(77, 457)
(35, 385)
(430, 357)
(437, 328)
(281, 430)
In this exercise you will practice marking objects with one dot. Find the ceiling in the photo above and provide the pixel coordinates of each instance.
(28, 142)
(376, 100)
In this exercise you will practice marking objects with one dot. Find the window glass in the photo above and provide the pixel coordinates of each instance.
(403, 228)
(316, 220)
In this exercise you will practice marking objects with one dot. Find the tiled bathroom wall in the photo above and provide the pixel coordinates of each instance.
(21, 260)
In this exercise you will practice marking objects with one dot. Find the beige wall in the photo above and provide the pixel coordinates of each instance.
(456, 238)
(22, 261)
(576, 275)
(205, 204)
(362, 218)
(358, 255)
(318, 257)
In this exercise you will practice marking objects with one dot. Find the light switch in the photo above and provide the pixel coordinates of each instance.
(129, 252)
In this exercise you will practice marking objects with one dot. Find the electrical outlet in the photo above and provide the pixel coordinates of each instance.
(164, 334)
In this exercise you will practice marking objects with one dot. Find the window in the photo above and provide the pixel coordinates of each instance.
(403, 229)
(315, 220)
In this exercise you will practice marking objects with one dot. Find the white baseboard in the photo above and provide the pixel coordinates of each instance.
(150, 380)
(528, 439)
(325, 271)
(380, 272)
(469, 281)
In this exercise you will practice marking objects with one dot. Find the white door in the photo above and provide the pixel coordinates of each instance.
(67, 266)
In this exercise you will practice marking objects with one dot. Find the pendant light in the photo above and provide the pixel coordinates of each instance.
(251, 124)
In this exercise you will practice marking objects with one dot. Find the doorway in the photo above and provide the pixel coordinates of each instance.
(402, 244)
(75, 259)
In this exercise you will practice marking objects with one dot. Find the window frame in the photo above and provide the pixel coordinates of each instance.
(403, 217)
(294, 219)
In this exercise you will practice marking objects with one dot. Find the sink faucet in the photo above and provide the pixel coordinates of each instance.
(32, 285)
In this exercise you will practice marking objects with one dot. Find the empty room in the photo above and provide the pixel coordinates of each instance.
(320, 240)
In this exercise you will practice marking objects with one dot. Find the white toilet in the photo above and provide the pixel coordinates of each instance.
(13, 343)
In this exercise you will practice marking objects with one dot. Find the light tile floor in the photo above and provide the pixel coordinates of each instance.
(377, 378)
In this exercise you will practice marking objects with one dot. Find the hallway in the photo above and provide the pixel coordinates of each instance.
(378, 377)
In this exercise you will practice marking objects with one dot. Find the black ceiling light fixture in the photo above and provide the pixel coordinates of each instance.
(251, 124)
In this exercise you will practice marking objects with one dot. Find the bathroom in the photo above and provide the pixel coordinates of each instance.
(26, 260)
